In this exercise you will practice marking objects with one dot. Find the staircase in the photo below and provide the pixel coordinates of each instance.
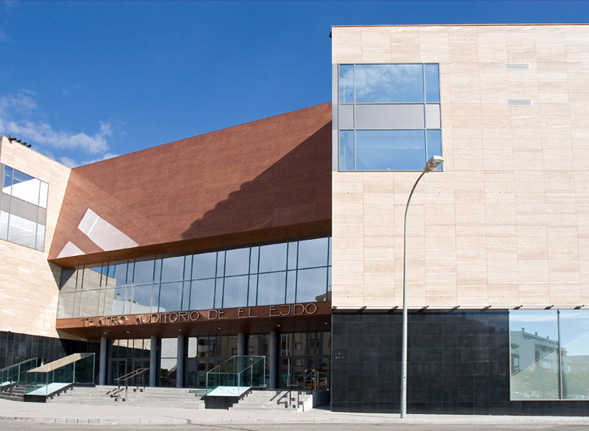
(106, 395)
(14, 392)
(274, 401)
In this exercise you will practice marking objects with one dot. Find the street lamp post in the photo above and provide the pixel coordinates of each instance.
(432, 164)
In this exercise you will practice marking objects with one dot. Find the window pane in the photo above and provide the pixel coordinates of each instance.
(291, 285)
(204, 265)
(432, 83)
(143, 272)
(292, 254)
(237, 261)
(534, 354)
(346, 83)
(313, 253)
(3, 225)
(273, 257)
(170, 296)
(22, 231)
(389, 83)
(120, 274)
(6, 188)
(43, 195)
(141, 302)
(89, 300)
(434, 143)
(235, 293)
(172, 268)
(271, 288)
(346, 150)
(253, 291)
(118, 300)
(40, 241)
(25, 187)
(390, 150)
(311, 285)
(574, 333)
(202, 294)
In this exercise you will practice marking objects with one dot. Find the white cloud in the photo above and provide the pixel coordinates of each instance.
(20, 116)
(71, 163)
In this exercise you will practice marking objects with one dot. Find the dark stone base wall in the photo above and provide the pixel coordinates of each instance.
(458, 363)
(19, 347)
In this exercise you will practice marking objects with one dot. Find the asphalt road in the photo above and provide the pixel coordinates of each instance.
(25, 426)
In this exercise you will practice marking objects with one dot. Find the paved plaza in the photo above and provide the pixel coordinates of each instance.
(53, 416)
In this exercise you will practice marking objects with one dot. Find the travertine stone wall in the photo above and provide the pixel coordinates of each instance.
(507, 222)
(28, 283)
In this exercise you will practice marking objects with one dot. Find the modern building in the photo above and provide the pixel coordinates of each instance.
(284, 237)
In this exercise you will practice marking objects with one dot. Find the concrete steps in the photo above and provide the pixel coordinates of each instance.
(14, 392)
(104, 395)
(273, 401)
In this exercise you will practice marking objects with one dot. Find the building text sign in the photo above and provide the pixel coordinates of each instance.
(284, 310)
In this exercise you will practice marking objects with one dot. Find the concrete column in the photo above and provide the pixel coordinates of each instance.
(102, 361)
(241, 344)
(181, 361)
(273, 359)
(154, 363)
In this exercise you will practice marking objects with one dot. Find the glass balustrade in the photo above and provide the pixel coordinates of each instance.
(57, 375)
(237, 374)
(17, 372)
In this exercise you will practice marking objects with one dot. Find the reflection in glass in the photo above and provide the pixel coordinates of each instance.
(432, 83)
(292, 254)
(253, 291)
(434, 143)
(311, 285)
(170, 298)
(121, 274)
(237, 262)
(534, 354)
(22, 231)
(204, 265)
(141, 302)
(271, 288)
(384, 150)
(291, 287)
(25, 187)
(118, 301)
(43, 194)
(235, 291)
(389, 83)
(346, 83)
(574, 332)
(172, 268)
(202, 295)
(3, 225)
(313, 253)
(40, 241)
(273, 257)
(7, 183)
(346, 150)
(143, 272)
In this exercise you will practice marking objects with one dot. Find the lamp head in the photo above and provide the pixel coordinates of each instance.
(433, 163)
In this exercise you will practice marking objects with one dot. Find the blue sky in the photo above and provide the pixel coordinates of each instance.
(86, 80)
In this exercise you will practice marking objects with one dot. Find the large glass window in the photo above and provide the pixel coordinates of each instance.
(23, 203)
(549, 354)
(287, 272)
(388, 116)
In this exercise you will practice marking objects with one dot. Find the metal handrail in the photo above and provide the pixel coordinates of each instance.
(125, 378)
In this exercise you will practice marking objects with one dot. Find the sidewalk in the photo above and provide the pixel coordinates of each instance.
(125, 414)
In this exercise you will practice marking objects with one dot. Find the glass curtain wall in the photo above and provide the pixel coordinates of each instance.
(549, 354)
(287, 272)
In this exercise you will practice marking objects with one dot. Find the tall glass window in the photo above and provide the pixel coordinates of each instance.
(287, 272)
(549, 354)
(23, 208)
(388, 116)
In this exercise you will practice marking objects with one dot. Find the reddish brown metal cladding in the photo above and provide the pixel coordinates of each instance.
(262, 181)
